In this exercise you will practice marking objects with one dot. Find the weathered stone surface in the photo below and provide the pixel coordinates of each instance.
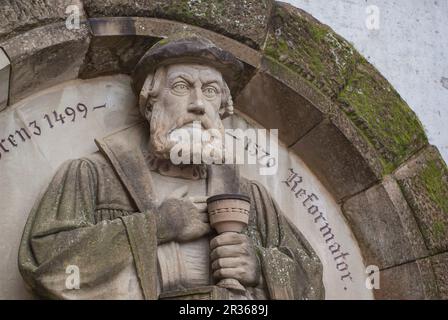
(383, 117)
(424, 181)
(242, 20)
(384, 226)
(5, 70)
(440, 267)
(45, 56)
(17, 16)
(119, 42)
(332, 65)
(411, 281)
(276, 105)
(114, 54)
(160, 28)
(339, 157)
(310, 48)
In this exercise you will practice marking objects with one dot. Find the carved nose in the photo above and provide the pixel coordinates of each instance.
(196, 109)
(197, 104)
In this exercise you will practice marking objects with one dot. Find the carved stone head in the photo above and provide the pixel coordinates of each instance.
(181, 81)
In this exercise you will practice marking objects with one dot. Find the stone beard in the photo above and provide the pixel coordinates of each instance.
(184, 264)
(136, 226)
(165, 124)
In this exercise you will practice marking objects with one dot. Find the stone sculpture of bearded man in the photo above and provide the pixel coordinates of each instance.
(135, 224)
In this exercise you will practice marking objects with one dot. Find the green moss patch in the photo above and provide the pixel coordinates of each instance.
(425, 188)
(331, 64)
(379, 112)
(435, 179)
(310, 48)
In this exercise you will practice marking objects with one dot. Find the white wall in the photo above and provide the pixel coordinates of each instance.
(410, 49)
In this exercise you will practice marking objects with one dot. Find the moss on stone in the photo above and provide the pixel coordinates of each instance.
(434, 177)
(314, 51)
(317, 53)
(377, 109)
(245, 21)
(438, 229)
(309, 48)
(424, 183)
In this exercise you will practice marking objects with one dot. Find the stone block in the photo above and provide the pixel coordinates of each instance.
(339, 157)
(160, 28)
(45, 56)
(384, 226)
(410, 281)
(119, 42)
(382, 116)
(310, 48)
(245, 21)
(277, 104)
(5, 71)
(114, 54)
(440, 267)
(424, 182)
(18, 16)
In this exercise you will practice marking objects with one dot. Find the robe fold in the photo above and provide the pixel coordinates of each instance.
(95, 223)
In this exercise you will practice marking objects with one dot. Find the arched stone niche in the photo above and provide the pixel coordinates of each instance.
(366, 150)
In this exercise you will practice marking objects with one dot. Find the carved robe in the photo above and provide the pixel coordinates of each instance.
(98, 216)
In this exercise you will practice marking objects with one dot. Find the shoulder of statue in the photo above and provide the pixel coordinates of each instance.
(94, 160)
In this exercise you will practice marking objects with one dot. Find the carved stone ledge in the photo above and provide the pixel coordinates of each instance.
(19, 16)
(114, 54)
(45, 56)
(119, 42)
(245, 21)
(424, 181)
(159, 28)
(384, 226)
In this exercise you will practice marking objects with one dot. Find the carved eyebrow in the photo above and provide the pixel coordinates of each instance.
(183, 76)
(207, 83)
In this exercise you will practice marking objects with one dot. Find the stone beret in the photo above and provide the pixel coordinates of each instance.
(189, 48)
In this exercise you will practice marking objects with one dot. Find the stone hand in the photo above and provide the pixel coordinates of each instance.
(179, 219)
(233, 256)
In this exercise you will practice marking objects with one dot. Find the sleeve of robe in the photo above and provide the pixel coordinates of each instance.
(115, 259)
(291, 269)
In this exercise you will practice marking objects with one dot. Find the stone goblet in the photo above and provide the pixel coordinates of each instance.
(229, 212)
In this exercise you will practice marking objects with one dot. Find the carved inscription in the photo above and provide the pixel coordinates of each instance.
(308, 200)
(48, 121)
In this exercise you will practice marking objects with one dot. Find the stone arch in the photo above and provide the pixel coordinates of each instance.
(331, 107)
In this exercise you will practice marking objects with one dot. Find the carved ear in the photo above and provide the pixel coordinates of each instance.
(144, 93)
(226, 108)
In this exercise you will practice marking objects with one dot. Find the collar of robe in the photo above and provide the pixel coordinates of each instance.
(167, 168)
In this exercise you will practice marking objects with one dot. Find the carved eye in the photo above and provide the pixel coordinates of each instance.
(180, 87)
(210, 92)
